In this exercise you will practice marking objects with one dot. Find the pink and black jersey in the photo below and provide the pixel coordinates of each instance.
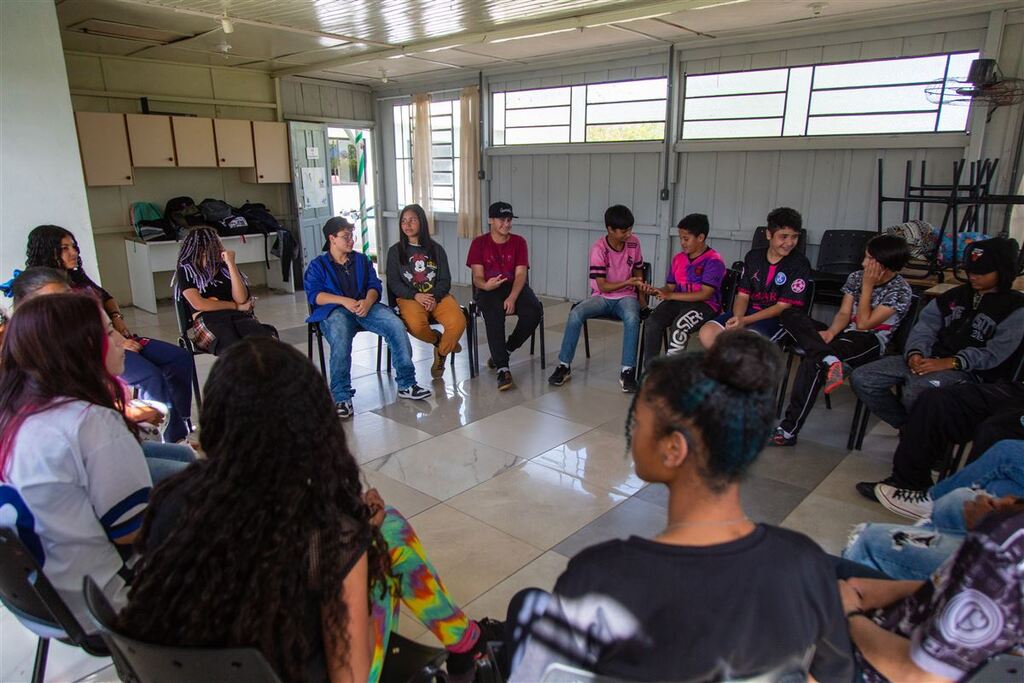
(614, 266)
(689, 276)
(770, 283)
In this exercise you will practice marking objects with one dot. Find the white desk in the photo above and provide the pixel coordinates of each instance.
(146, 258)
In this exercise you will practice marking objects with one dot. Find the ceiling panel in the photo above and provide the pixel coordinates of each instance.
(555, 43)
(393, 67)
(71, 12)
(263, 43)
(341, 78)
(168, 53)
(99, 44)
(770, 12)
(459, 58)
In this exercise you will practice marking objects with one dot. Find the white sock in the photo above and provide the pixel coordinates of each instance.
(829, 360)
(564, 365)
(504, 369)
(626, 367)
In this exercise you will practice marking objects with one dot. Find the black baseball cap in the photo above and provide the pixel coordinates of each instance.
(332, 227)
(501, 210)
(981, 259)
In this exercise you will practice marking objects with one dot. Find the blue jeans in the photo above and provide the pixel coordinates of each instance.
(341, 326)
(626, 309)
(163, 372)
(999, 471)
(166, 459)
(906, 552)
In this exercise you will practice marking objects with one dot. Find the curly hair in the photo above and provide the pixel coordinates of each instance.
(268, 524)
(44, 247)
(725, 394)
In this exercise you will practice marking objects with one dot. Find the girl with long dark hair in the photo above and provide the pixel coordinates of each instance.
(421, 282)
(715, 595)
(215, 292)
(271, 542)
(161, 371)
(71, 468)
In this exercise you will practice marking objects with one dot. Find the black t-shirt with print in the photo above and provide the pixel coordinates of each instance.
(647, 611)
(219, 288)
(767, 283)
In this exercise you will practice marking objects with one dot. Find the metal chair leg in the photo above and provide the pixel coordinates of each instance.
(784, 386)
(39, 669)
(320, 350)
(862, 430)
(586, 338)
(851, 440)
(828, 402)
(543, 354)
(380, 346)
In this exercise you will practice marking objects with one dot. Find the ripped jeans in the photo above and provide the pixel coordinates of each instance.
(913, 552)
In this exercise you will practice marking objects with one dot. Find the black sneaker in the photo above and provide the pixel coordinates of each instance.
(560, 376)
(461, 665)
(627, 380)
(505, 380)
(779, 438)
(415, 392)
(491, 365)
(344, 409)
(867, 488)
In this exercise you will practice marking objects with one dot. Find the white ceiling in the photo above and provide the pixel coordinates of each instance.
(358, 41)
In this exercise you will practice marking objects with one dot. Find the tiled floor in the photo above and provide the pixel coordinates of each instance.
(503, 488)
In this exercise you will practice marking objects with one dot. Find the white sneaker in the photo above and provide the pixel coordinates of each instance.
(905, 502)
(415, 392)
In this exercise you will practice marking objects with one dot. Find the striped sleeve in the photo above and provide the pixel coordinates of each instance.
(598, 260)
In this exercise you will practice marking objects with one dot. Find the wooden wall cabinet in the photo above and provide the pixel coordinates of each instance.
(193, 141)
(150, 139)
(234, 143)
(270, 142)
(103, 141)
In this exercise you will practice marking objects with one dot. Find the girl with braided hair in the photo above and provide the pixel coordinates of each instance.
(714, 595)
(160, 371)
(271, 542)
(214, 291)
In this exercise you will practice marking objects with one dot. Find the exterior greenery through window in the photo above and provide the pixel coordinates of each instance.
(603, 112)
(444, 137)
(879, 96)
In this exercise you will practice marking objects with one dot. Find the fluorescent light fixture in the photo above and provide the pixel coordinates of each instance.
(531, 35)
(720, 4)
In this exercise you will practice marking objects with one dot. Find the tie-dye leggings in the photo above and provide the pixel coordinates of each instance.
(420, 588)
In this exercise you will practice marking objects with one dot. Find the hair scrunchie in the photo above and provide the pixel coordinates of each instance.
(7, 288)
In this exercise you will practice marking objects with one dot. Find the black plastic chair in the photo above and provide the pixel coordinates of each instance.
(314, 330)
(470, 333)
(184, 317)
(30, 596)
(474, 311)
(407, 661)
(859, 423)
(150, 663)
(841, 252)
(645, 313)
(999, 669)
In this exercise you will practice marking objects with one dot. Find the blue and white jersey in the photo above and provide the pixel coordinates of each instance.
(76, 482)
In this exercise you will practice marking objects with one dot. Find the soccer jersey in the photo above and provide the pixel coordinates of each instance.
(498, 259)
(76, 482)
(971, 608)
(689, 276)
(768, 284)
(614, 266)
(895, 294)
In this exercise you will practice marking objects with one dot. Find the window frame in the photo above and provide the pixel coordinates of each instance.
(403, 120)
(808, 116)
(584, 123)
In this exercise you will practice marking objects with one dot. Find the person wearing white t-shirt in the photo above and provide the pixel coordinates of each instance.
(73, 479)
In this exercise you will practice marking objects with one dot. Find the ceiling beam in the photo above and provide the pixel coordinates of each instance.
(516, 30)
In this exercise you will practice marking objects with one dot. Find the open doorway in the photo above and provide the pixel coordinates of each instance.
(351, 166)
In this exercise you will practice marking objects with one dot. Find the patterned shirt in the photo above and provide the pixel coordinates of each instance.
(689, 276)
(895, 294)
(971, 608)
(770, 283)
(614, 266)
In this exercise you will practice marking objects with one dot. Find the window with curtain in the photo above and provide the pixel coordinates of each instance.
(444, 136)
(620, 111)
(877, 96)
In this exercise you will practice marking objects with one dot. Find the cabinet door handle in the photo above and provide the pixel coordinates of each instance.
(127, 177)
(170, 158)
(223, 159)
(261, 175)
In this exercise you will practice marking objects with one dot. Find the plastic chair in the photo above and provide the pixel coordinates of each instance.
(407, 661)
(474, 311)
(183, 316)
(470, 333)
(152, 663)
(314, 330)
(29, 595)
(841, 252)
(859, 423)
(645, 312)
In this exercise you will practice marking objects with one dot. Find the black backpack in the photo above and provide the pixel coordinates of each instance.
(223, 217)
(260, 219)
(182, 212)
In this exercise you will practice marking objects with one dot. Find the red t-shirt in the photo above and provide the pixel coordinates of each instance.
(498, 259)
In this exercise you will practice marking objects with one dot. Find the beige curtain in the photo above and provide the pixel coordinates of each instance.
(422, 160)
(469, 159)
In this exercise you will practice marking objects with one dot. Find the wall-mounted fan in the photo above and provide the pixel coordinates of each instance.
(985, 85)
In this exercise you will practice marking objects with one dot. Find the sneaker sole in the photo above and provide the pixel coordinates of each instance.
(558, 384)
(506, 387)
(896, 509)
(415, 398)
